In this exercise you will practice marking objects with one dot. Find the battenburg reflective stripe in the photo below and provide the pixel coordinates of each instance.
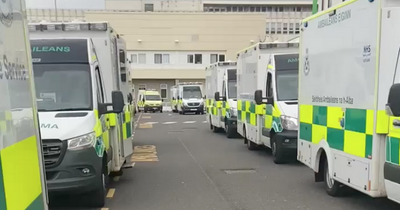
(345, 129)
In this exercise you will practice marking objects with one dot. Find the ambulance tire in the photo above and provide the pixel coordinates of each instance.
(250, 145)
(277, 154)
(160, 110)
(98, 197)
(230, 133)
(333, 188)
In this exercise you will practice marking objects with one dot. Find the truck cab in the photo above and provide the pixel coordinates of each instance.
(222, 97)
(267, 105)
(190, 98)
(85, 123)
(151, 100)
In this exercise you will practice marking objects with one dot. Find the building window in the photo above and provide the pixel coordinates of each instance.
(165, 58)
(161, 58)
(217, 58)
(134, 58)
(163, 88)
(190, 58)
(142, 58)
(198, 58)
(142, 86)
(148, 7)
(329, 3)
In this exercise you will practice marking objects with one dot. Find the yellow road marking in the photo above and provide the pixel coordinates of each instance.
(146, 117)
(104, 208)
(145, 153)
(145, 126)
(110, 193)
(116, 179)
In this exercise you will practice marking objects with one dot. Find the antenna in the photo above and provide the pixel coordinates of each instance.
(260, 40)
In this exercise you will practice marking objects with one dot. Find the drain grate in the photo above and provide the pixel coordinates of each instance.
(240, 171)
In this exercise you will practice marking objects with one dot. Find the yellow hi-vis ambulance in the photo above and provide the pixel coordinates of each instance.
(349, 75)
(221, 97)
(22, 176)
(267, 75)
(150, 101)
(85, 115)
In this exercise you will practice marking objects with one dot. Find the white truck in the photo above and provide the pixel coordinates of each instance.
(22, 175)
(267, 98)
(349, 104)
(221, 97)
(81, 90)
(190, 98)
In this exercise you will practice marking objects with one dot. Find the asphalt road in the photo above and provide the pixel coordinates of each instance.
(182, 165)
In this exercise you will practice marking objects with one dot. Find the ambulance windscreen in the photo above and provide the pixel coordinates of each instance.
(287, 62)
(287, 85)
(63, 87)
(192, 92)
(59, 51)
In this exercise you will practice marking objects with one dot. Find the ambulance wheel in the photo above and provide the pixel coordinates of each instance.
(160, 110)
(332, 187)
(277, 154)
(230, 133)
(250, 145)
(98, 197)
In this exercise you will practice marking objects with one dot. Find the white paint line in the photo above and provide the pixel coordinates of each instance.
(169, 114)
(189, 122)
(149, 123)
(168, 123)
(204, 121)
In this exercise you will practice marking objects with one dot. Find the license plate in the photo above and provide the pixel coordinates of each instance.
(193, 109)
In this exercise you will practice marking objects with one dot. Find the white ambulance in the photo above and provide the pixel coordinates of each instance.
(349, 104)
(82, 95)
(190, 98)
(221, 97)
(22, 175)
(174, 98)
(267, 97)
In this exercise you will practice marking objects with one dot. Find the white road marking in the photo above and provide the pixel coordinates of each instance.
(205, 121)
(167, 123)
(150, 123)
(189, 122)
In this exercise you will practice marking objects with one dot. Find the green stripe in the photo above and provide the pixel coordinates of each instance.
(37, 204)
(335, 138)
(394, 146)
(315, 6)
(320, 114)
(355, 120)
(128, 129)
(3, 205)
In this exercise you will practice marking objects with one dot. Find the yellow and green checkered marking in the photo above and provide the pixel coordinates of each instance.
(348, 130)
(247, 112)
(393, 143)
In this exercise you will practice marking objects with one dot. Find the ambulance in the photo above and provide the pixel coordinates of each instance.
(22, 175)
(267, 75)
(174, 98)
(150, 101)
(221, 97)
(84, 112)
(349, 104)
(190, 98)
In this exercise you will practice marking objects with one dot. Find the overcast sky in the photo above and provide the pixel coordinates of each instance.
(66, 4)
(89, 4)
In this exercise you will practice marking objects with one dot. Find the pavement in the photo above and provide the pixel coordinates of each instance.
(180, 164)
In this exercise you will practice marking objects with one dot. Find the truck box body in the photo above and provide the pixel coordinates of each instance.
(347, 67)
(222, 113)
(22, 175)
(274, 65)
(81, 84)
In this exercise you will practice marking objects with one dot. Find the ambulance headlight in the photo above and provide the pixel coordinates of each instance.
(233, 112)
(289, 123)
(82, 142)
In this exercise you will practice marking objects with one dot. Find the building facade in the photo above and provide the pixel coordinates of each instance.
(172, 41)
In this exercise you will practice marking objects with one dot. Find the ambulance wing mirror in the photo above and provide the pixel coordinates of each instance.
(259, 99)
(117, 101)
(393, 105)
(173, 98)
(218, 97)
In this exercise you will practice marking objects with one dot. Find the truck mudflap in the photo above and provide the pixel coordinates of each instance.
(78, 172)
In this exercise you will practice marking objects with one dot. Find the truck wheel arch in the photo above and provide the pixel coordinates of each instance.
(323, 153)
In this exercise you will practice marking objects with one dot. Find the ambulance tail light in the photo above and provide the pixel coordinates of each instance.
(82, 26)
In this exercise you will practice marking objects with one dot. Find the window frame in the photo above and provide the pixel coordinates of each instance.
(145, 86)
(145, 58)
(164, 87)
(134, 60)
(201, 58)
